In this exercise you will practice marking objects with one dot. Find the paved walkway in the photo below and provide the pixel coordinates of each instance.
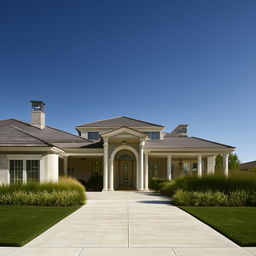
(129, 223)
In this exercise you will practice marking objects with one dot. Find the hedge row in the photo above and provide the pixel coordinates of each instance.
(209, 198)
(67, 192)
(236, 190)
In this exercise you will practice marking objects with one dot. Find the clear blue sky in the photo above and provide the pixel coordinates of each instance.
(168, 62)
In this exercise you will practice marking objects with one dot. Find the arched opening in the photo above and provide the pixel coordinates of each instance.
(125, 165)
(124, 171)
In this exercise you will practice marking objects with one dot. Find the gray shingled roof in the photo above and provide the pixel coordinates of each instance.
(18, 133)
(184, 142)
(247, 165)
(119, 122)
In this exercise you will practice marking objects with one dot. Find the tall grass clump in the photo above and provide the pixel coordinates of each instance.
(66, 192)
(214, 183)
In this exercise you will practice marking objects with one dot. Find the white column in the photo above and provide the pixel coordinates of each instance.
(146, 172)
(105, 171)
(169, 167)
(225, 164)
(199, 165)
(51, 168)
(137, 173)
(65, 165)
(141, 187)
(111, 174)
(210, 164)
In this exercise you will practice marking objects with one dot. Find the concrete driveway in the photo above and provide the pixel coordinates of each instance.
(129, 223)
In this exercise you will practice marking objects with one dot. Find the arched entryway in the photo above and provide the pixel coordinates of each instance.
(124, 167)
(124, 170)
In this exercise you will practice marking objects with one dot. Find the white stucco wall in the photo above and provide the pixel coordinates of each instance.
(50, 167)
(3, 169)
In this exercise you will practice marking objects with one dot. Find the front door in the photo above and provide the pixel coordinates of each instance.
(126, 174)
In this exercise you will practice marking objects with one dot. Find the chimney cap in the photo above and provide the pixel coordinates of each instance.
(37, 105)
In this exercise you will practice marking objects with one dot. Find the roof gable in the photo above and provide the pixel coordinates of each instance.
(119, 122)
(124, 131)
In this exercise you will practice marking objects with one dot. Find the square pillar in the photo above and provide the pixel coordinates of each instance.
(65, 165)
(225, 164)
(146, 172)
(105, 168)
(199, 165)
(211, 164)
(169, 167)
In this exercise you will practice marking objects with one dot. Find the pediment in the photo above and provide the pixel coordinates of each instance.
(124, 132)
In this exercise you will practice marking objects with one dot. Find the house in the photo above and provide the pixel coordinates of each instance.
(248, 166)
(125, 151)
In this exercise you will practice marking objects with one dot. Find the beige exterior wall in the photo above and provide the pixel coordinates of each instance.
(4, 169)
(158, 167)
(82, 168)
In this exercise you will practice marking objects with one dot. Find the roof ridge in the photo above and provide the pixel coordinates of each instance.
(99, 120)
(130, 118)
(221, 144)
(142, 121)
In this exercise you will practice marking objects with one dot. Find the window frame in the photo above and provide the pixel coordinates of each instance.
(24, 158)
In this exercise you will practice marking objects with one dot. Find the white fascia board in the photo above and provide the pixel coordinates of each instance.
(24, 157)
(177, 150)
(25, 149)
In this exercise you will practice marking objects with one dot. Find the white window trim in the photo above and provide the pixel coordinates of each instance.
(24, 158)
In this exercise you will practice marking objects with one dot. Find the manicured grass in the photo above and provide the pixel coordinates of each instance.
(237, 223)
(20, 224)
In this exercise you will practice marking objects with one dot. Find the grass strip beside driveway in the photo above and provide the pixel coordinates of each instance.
(20, 224)
(236, 223)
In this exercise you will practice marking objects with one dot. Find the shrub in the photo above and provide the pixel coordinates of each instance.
(184, 198)
(210, 198)
(95, 183)
(155, 183)
(209, 182)
(67, 192)
(238, 198)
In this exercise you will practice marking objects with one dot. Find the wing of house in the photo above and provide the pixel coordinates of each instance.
(127, 152)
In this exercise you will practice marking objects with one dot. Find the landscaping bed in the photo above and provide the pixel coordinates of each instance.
(212, 190)
(66, 192)
(237, 223)
(19, 224)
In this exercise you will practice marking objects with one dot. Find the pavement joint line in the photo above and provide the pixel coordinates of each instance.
(245, 248)
(174, 251)
(83, 249)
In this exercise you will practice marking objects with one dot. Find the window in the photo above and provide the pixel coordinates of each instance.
(154, 135)
(23, 170)
(194, 167)
(186, 168)
(16, 171)
(93, 135)
(154, 169)
(96, 168)
(33, 170)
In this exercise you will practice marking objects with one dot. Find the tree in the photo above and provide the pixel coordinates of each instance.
(233, 163)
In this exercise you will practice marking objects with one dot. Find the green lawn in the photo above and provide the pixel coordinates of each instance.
(20, 224)
(237, 223)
